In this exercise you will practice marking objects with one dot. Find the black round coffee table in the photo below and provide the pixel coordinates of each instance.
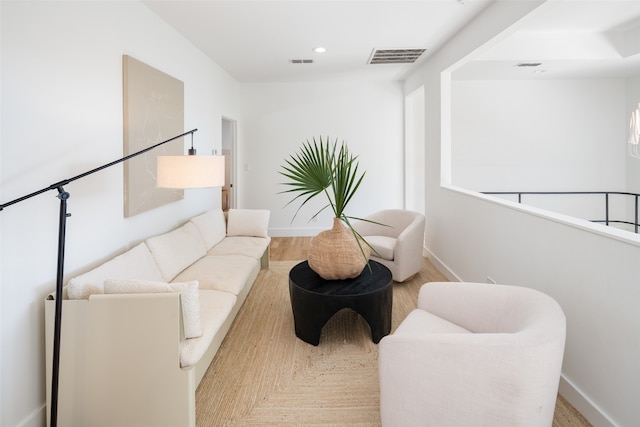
(315, 300)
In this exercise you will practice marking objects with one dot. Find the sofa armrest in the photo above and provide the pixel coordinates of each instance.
(120, 362)
(410, 243)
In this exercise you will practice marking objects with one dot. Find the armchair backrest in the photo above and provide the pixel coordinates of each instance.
(505, 373)
(395, 220)
(496, 309)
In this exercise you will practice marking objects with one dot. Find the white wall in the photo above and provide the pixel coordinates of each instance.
(543, 135)
(280, 116)
(414, 150)
(62, 115)
(593, 275)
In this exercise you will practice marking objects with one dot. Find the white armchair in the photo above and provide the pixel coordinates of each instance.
(398, 243)
(473, 354)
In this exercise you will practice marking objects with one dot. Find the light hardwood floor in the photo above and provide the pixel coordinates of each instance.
(289, 248)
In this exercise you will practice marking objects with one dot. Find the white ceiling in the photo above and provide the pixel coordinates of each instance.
(254, 40)
(570, 38)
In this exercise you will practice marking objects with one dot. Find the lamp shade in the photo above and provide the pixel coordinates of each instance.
(190, 171)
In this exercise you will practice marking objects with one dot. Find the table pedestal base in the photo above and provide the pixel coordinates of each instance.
(315, 300)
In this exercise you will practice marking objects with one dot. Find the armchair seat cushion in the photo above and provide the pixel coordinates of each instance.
(383, 246)
(420, 322)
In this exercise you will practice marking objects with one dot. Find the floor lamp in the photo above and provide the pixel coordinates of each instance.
(177, 172)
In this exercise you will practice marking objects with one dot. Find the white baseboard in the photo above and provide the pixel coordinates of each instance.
(37, 418)
(441, 266)
(294, 232)
(583, 404)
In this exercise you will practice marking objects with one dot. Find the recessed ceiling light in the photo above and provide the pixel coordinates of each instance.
(319, 49)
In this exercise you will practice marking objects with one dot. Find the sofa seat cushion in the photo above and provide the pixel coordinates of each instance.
(383, 245)
(229, 273)
(136, 263)
(420, 322)
(253, 247)
(215, 307)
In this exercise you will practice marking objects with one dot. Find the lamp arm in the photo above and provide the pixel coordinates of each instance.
(99, 168)
(62, 226)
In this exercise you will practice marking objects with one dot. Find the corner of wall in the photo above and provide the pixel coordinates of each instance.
(441, 266)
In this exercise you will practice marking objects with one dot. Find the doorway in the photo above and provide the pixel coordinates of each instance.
(229, 189)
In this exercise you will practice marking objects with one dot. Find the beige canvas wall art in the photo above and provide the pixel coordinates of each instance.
(153, 112)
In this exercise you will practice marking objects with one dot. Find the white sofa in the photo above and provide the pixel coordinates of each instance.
(139, 331)
(473, 354)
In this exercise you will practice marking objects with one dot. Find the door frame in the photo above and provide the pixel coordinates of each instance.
(229, 144)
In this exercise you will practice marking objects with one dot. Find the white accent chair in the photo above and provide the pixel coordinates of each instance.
(473, 354)
(398, 243)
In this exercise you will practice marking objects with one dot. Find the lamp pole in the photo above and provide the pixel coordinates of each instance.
(62, 227)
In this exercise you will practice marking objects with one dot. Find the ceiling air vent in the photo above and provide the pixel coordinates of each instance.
(301, 61)
(395, 56)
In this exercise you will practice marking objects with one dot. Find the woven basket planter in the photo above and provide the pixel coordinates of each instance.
(335, 254)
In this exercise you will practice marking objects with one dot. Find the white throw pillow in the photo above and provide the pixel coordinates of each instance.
(176, 250)
(212, 226)
(189, 297)
(248, 222)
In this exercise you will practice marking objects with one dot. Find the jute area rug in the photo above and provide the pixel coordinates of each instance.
(263, 375)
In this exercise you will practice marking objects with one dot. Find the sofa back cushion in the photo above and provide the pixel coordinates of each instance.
(136, 263)
(212, 226)
(189, 298)
(176, 250)
(248, 222)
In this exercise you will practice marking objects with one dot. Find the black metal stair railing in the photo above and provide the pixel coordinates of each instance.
(606, 194)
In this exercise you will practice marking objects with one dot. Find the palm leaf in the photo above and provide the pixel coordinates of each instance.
(322, 167)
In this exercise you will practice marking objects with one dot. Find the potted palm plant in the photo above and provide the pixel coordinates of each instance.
(328, 168)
